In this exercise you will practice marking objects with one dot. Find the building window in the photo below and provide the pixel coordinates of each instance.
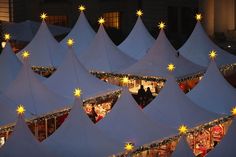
(61, 20)
(6, 10)
(112, 19)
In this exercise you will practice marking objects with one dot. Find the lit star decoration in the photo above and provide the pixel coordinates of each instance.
(20, 110)
(7, 36)
(25, 54)
(233, 111)
(129, 146)
(171, 67)
(43, 16)
(183, 129)
(125, 79)
(161, 25)
(212, 54)
(82, 8)
(101, 20)
(139, 12)
(198, 17)
(70, 42)
(77, 92)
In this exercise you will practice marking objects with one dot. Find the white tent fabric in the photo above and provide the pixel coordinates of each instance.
(26, 30)
(138, 41)
(198, 46)
(226, 147)
(72, 74)
(213, 92)
(81, 137)
(23, 143)
(82, 34)
(161, 54)
(127, 123)
(44, 49)
(9, 67)
(103, 55)
(182, 149)
(26, 89)
(173, 108)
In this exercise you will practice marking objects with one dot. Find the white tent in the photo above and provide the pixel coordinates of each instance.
(198, 45)
(127, 123)
(162, 53)
(23, 143)
(103, 55)
(213, 92)
(44, 50)
(78, 136)
(82, 33)
(226, 147)
(182, 149)
(173, 108)
(71, 74)
(9, 66)
(26, 89)
(138, 41)
(26, 30)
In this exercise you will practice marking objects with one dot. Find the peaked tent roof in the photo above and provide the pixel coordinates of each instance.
(182, 149)
(198, 45)
(213, 92)
(23, 143)
(178, 110)
(226, 147)
(127, 123)
(9, 67)
(162, 53)
(44, 49)
(26, 89)
(103, 55)
(138, 41)
(82, 33)
(72, 74)
(81, 137)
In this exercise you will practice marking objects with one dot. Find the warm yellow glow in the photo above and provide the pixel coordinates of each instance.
(183, 129)
(171, 67)
(43, 16)
(233, 111)
(82, 8)
(129, 146)
(161, 25)
(213, 54)
(139, 12)
(77, 92)
(101, 20)
(198, 17)
(25, 54)
(70, 42)
(3, 44)
(7, 36)
(20, 110)
(125, 79)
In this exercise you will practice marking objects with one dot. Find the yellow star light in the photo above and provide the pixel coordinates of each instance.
(7, 36)
(233, 111)
(129, 146)
(198, 17)
(213, 54)
(171, 67)
(43, 16)
(183, 129)
(82, 8)
(161, 25)
(77, 92)
(20, 110)
(139, 12)
(125, 79)
(70, 42)
(101, 20)
(25, 54)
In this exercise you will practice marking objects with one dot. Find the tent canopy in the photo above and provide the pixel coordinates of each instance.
(182, 149)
